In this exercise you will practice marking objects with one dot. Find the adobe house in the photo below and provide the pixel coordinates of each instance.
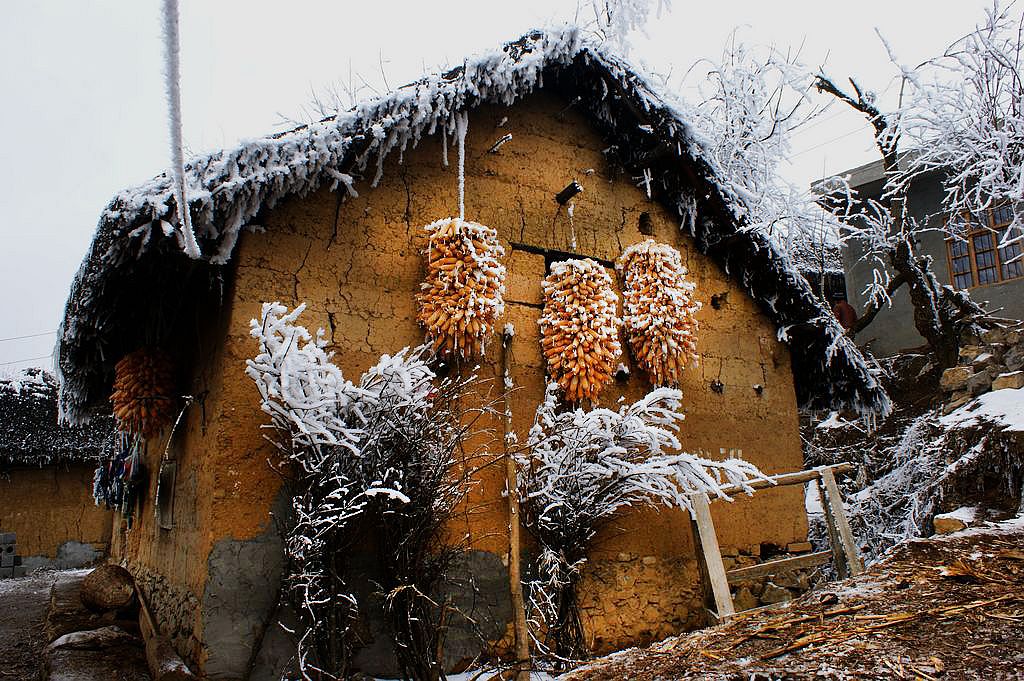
(46, 508)
(330, 214)
(975, 263)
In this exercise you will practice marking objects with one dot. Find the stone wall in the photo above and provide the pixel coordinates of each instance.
(991, 361)
(357, 265)
(51, 511)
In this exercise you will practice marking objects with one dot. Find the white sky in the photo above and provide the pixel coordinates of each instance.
(83, 107)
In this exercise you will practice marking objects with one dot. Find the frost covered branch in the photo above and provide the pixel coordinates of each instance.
(585, 467)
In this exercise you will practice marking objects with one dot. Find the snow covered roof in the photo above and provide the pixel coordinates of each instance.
(29, 433)
(136, 272)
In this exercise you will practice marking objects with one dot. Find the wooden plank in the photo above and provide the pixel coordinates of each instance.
(776, 566)
(785, 479)
(839, 558)
(712, 556)
(846, 540)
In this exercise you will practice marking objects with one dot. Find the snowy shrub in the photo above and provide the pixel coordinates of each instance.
(377, 454)
(582, 469)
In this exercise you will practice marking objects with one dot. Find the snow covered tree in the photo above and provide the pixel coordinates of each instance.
(380, 453)
(580, 470)
(975, 158)
(965, 118)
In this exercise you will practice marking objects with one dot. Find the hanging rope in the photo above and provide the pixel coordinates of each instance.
(172, 75)
(461, 125)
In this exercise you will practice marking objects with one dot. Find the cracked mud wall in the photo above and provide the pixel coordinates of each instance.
(357, 265)
(51, 510)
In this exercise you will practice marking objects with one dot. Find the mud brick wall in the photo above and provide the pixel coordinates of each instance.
(51, 511)
(357, 264)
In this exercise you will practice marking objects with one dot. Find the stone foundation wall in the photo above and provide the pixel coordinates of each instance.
(174, 608)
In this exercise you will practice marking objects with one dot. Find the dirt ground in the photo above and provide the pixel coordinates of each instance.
(23, 605)
(946, 608)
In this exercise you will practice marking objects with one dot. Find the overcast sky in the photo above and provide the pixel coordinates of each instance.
(84, 114)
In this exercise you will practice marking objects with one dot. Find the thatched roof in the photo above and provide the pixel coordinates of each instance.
(29, 432)
(136, 262)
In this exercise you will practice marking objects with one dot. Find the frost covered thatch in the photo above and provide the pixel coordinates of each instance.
(138, 258)
(29, 433)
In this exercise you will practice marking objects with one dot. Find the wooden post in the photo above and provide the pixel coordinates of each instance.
(835, 504)
(712, 556)
(522, 636)
(838, 557)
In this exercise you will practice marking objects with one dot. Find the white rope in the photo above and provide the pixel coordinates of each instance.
(461, 125)
(172, 75)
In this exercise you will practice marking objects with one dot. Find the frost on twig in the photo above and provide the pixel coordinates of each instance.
(585, 467)
(379, 453)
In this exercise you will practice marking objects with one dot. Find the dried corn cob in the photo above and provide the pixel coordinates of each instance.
(465, 288)
(580, 328)
(659, 310)
(144, 398)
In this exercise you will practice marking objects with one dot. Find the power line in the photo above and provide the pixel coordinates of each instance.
(827, 142)
(31, 335)
(27, 359)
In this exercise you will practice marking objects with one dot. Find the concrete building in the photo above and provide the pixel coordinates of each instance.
(325, 215)
(974, 263)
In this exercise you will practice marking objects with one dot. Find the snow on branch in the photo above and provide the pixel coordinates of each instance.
(380, 452)
(585, 467)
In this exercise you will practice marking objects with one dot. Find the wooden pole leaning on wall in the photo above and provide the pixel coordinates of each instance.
(515, 581)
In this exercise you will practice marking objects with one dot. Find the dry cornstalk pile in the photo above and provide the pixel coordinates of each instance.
(465, 288)
(660, 321)
(144, 397)
(580, 328)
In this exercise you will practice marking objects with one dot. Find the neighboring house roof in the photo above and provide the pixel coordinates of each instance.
(136, 261)
(29, 432)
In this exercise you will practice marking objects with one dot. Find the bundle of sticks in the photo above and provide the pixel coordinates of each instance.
(464, 292)
(144, 398)
(659, 310)
(580, 328)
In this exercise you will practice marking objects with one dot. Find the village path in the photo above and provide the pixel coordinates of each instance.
(23, 605)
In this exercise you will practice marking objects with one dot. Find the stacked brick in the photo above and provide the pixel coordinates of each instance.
(10, 561)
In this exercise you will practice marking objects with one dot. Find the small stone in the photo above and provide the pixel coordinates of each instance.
(1014, 358)
(969, 352)
(947, 524)
(775, 594)
(979, 383)
(993, 336)
(624, 558)
(955, 378)
(982, 361)
(650, 560)
(1011, 380)
(787, 580)
(955, 404)
(754, 550)
(728, 562)
(730, 551)
(799, 547)
(744, 600)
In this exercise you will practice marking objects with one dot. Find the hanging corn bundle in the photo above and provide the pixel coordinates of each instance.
(659, 310)
(580, 327)
(144, 397)
(465, 288)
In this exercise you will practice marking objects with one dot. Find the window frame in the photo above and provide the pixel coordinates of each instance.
(974, 228)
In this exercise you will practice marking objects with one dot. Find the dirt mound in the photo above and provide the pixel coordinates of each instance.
(949, 608)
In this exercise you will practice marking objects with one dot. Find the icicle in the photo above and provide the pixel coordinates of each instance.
(172, 74)
(461, 124)
(572, 225)
(444, 147)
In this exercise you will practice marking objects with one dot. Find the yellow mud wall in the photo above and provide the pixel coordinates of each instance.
(357, 264)
(50, 505)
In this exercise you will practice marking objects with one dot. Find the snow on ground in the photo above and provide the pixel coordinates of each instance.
(1004, 407)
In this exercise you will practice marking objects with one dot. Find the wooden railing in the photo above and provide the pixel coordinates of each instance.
(716, 578)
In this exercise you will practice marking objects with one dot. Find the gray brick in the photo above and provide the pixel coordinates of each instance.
(6, 572)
